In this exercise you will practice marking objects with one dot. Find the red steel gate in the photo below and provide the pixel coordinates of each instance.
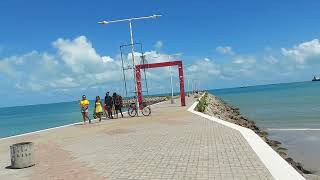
(156, 65)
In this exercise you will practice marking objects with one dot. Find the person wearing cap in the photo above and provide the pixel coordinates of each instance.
(84, 106)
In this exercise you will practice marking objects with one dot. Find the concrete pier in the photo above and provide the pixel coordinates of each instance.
(172, 143)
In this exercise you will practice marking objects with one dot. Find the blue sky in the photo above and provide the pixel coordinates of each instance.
(52, 51)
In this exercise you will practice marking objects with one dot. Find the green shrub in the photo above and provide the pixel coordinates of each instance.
(202, 105)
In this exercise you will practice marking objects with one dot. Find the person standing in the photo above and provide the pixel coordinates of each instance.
(108, 104)
(98, 108)
(84, 106)
(118, 103)
(114, 95)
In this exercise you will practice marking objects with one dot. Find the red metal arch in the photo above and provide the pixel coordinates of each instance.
(156, 65)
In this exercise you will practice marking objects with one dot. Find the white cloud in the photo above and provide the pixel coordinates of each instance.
(207, 59)
(226, 50)
(106, 59)
(204, 69)
(158, 44)
(76, 64)
(6, 68)
(242, 65)
(155, 57)
(66, 82)
(79, 55)
(151, 57)
(304, 51)
(271, 59)
(244, 60)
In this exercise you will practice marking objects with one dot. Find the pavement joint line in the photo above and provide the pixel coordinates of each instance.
(280, 170)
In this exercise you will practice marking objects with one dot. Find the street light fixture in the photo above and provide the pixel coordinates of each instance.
(155, 16)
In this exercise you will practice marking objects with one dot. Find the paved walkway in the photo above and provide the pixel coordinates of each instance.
(171, 144)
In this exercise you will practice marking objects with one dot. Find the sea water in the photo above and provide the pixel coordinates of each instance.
(289, 112)
(24, 119)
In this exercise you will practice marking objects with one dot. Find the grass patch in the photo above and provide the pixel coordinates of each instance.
(202, 105)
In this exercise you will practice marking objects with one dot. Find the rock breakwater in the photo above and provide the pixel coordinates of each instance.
(147, 100)
(216, 107)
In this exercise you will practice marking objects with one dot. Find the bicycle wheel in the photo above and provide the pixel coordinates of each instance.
(146, 111)
(104, 114)
(132, 112)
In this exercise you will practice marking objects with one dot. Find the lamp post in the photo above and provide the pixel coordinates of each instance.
(132, 43)
(171, 80)
(172, 101)
(177, 54)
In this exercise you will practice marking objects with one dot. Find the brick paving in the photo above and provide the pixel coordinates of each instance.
(171, 144)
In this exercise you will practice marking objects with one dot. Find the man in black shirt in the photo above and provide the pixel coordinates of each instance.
(108, 104)
(118, 103)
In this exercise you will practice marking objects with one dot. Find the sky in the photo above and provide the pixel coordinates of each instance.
(54, 51)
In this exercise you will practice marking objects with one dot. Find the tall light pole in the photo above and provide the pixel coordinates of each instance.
(172, 101)
(132, 43)
(171, 79)
(177, 54)
(188, 87)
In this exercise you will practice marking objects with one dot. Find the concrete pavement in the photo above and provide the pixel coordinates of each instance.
(170, 144)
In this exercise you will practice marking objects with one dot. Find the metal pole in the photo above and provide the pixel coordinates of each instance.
(172, 102)
(192, 85)
(132, 44)
(188, 88)
(133, 65)
(123, 72)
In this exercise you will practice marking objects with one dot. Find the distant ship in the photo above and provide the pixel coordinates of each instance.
(316, 78)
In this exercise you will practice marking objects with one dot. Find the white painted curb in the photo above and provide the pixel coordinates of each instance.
(277, 166)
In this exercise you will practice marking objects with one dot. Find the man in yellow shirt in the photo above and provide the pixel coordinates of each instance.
(84, 106)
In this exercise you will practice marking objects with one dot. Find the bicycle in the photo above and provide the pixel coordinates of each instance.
(103, 114)
(133, 111)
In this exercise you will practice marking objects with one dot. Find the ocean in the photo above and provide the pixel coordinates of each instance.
(289, 112)
(24, 119)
